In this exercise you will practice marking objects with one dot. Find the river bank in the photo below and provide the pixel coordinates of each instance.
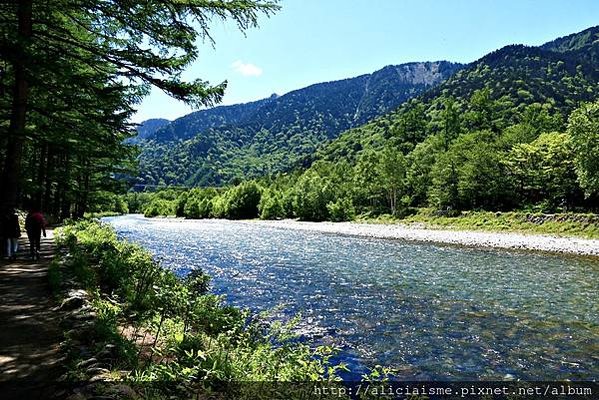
(411, 305)
(137, 330)
(501, 240)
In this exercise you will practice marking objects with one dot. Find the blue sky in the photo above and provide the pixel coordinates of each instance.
(311, 41)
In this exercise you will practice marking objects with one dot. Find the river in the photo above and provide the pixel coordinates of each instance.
(431, 311)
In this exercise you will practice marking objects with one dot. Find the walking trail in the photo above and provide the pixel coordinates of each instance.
(30, 335)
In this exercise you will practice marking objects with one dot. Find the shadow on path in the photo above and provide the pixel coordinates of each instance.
(30, 360)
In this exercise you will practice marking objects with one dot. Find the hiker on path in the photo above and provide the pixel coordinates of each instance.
(35, 224)
(11, 233)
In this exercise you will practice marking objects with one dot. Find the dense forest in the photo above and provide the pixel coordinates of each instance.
(70, 76)
(517, 129)
(227, 144)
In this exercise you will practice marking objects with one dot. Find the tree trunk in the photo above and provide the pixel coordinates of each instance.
(14, 148)
(41, 177)
(83, 192)
(48, 189)
(65, 201)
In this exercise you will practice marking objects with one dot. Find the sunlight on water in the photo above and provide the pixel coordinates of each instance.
(433, 312)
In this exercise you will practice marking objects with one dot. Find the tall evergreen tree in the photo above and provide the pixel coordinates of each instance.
(80, 65)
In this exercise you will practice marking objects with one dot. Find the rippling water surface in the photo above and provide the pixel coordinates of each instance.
(432, 311)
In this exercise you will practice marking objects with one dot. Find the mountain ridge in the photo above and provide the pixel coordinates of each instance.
(514, 76)
(273, 134)
(336, 119)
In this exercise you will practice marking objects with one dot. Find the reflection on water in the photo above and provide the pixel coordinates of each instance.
(434, 312)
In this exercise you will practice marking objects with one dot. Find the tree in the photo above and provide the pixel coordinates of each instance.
(482, 112)
(470, 174)
(451, 122)
(534, 120)
(392, 173)
(242, 201)
(543, 171)
(110, 51)
(271, 205)
(420, 162)
(583, 128)
(312, 193)
(367, 187)
(410, 127)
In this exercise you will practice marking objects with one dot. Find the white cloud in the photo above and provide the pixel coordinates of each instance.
(246, 69)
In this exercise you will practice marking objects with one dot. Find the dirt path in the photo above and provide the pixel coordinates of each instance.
(29, 329)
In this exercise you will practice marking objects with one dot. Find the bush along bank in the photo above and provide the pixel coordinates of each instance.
(138, 331)
(251, 200)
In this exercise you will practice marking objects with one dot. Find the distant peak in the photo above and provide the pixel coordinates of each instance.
(574, 41)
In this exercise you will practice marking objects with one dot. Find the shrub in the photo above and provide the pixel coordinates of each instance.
(271, 206)
(160, 207)
(341, 210)
(242, 201)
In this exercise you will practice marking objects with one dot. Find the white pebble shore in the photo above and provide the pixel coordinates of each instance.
(554, 244)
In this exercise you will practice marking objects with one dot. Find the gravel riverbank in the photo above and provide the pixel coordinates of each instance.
(554, 244)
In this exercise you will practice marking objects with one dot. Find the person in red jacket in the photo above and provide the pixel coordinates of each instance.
(35, 224)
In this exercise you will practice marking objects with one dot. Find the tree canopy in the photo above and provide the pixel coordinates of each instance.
(72, 73)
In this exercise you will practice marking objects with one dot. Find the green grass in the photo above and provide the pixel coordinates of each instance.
(561, 224)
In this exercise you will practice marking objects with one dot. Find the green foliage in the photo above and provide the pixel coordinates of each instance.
(199, 203)
(160, 207)
(341, 210)
(312, 194)
(245, 141)
(470, 174)
(198, 340)
(104, 201)
(583, 128)
(54, 277)
(242, 201)
(391, 175)
(136, 201)
(543, 171)
(420, 163)
(271, 205)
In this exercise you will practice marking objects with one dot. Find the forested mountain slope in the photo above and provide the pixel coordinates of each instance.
(512, 85)
(507, 131)
(146, 129)
(517, 129)
(216, 146)
(190, 125)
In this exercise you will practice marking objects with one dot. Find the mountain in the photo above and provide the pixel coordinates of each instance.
(227, 143)
(512, 130)
(574, 42)
(508, 85)
(146, 129)
(190, 125)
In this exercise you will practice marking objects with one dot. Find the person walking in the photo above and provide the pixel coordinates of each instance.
(12, 233)
(35, 225)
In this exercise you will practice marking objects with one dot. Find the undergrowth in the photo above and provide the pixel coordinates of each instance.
(171, 336)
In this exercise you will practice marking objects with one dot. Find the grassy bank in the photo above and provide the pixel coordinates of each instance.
(168, 336)
(561, 224)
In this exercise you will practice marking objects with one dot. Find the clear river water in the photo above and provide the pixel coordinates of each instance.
(431, 311)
